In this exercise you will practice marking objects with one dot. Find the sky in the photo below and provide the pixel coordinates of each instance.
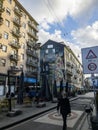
(74, 22)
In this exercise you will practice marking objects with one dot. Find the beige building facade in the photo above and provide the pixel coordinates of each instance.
(73, 67)
(18, 41)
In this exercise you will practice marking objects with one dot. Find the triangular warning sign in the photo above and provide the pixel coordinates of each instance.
(91, 55)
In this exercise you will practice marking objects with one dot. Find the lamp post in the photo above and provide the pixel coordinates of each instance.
(11, 112)
(21, 84)
(9, 91)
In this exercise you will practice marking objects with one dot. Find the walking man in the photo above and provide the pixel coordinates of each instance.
(64, 107)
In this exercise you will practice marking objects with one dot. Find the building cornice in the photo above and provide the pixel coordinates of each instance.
(20, 5)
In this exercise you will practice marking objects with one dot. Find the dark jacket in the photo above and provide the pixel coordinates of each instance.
(64, 106)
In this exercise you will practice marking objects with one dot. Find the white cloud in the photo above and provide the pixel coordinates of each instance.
(59, 9)
(44, 24)
(45, 36)
(48, 12)
(88, 36)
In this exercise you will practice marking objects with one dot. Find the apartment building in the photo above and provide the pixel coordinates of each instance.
(59, 68)
(18, 43)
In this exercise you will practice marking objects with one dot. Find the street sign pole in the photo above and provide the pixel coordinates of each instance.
(93, 80)
(90, 66)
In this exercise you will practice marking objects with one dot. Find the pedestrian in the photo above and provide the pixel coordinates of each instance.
(64, 107)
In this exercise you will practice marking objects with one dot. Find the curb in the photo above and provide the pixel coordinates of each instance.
(81, 122)
(27, 118)
(32, 116)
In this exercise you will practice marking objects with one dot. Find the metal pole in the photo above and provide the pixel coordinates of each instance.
(20, 93)
(9, 91)
(94, 93)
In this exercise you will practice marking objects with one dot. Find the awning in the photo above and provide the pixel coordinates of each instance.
(29, 80)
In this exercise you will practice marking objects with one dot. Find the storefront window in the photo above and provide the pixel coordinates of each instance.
(1, 90)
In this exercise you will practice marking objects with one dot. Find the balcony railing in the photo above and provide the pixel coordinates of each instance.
(31, 63)
(16, 33)
(17, 22)
(18, 11)
(32, 35)
(30, 43)
(30, 52)
(32, 25)
(14, 57)
(2, 9)
(68, 64)
(31, 73)
(15, 45)
(69, 71)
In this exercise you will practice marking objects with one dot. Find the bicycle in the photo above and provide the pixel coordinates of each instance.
(89, 111)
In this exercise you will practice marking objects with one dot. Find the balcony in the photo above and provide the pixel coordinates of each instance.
(30, 43)
(16, 33)
(17, 22)
(31, 73)
(78, 71)
(1, 20)
(68, 64)
(28, 73)
(14, 45)
(2, 9)
(36, 45)
(31, 63)
(69, 72)
(31, 53)
(18, 11)
(14, 57)
(75, 76)
(32, 26)
(32, 35)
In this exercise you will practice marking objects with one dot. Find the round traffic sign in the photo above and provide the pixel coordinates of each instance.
(92, 66)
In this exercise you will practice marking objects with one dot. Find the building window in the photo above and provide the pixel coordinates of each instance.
(21, 66)
(24, 15)
(50, 46)
(24, 25)
(23, 34)
(4, 48)
(6, 35)
(53, 50)
(8, 11)
(2, 62)
(7, 23)
(10, 1)
(23, 46)
(22, 56)
(46, 51)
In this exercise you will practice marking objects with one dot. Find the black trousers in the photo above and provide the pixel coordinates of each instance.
(64, 121)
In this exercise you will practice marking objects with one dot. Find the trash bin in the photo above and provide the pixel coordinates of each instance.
(94, 122)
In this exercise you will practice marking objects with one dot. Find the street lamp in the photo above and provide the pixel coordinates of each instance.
(9, 72)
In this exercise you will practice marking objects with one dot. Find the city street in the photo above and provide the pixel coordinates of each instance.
(52, 121)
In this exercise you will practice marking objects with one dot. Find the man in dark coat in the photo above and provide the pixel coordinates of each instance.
(64, 107)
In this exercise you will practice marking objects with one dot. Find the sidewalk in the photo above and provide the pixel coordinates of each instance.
(27, 113)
